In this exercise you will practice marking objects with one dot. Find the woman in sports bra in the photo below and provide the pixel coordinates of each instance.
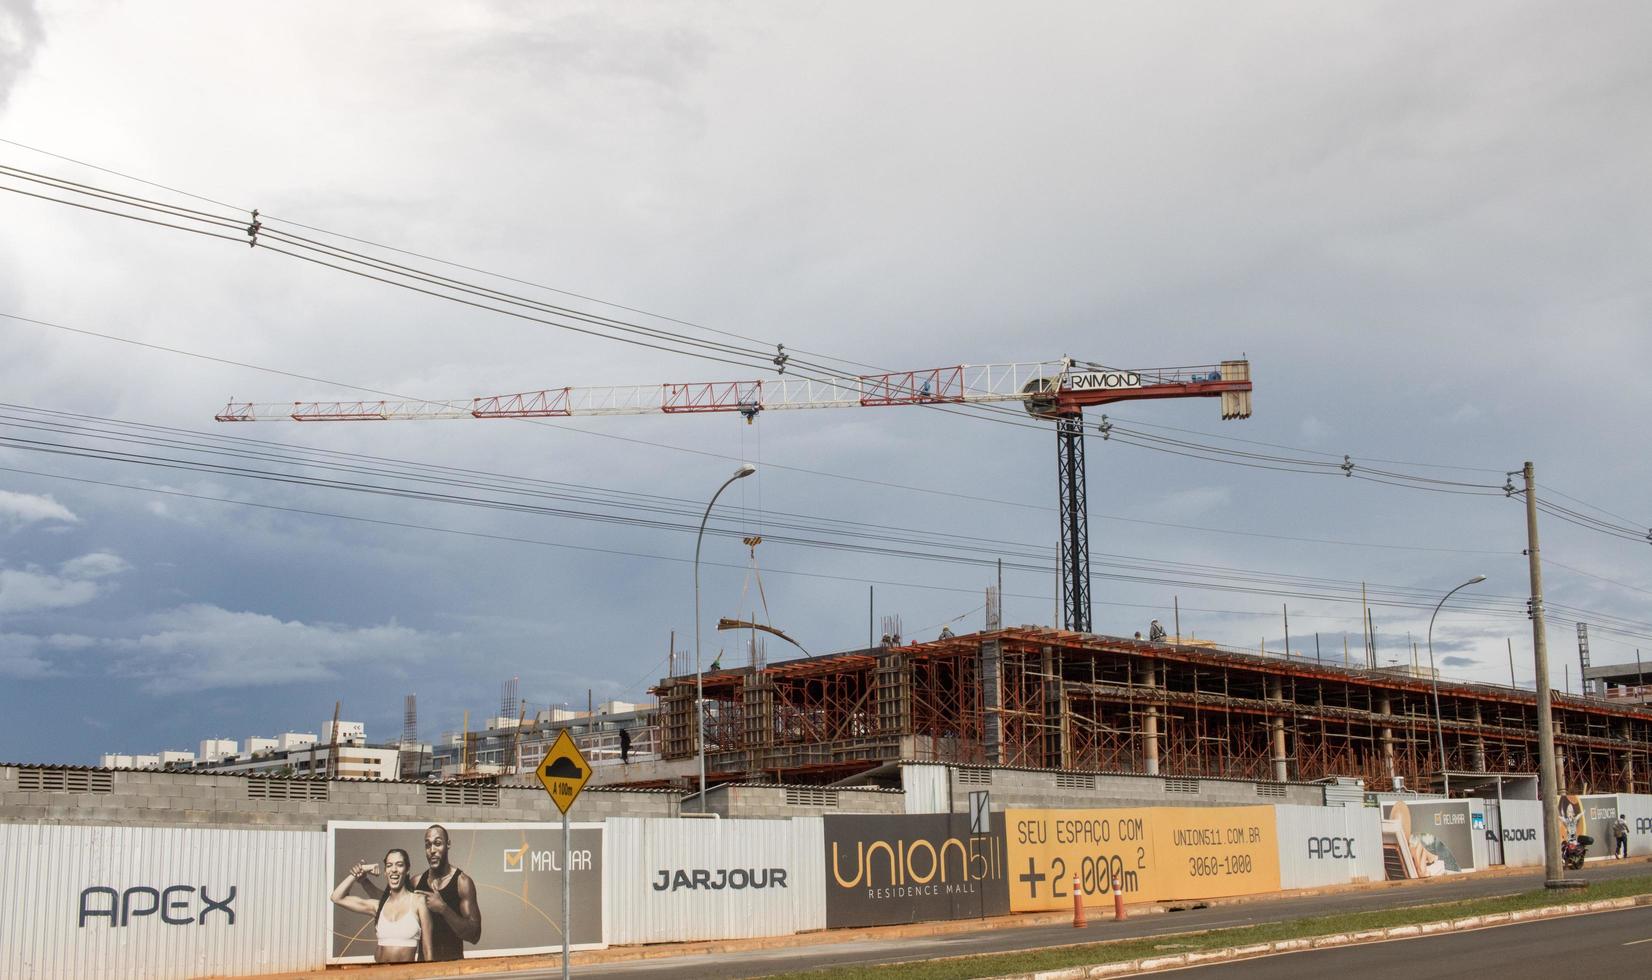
(400, 915)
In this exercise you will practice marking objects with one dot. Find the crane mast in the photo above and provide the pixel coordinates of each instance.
(1056, 391)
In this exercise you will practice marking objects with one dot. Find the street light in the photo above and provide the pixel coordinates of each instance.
(1434, 682)
(745, 470)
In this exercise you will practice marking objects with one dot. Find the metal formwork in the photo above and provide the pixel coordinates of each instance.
(1056, 699)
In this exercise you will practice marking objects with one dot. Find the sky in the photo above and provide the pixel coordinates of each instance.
(1426, 226)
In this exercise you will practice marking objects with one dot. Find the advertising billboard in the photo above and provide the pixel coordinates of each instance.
(895, 868)
(1440, 834)
(1573, 817)
(1155, 853)
(490, 889)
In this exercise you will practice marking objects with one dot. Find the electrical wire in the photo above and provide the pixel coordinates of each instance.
(148, 435)
(499, 301)
(1137, 570)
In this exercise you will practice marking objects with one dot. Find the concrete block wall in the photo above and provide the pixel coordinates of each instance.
(770, 802)
(172, 799)
(1039, 789)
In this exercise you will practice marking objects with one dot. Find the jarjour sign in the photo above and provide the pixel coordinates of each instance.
(1155, 853)
(882, 870)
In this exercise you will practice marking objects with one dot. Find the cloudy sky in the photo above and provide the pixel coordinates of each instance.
(1426, 226)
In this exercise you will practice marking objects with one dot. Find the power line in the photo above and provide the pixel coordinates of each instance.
(485, 298)
(827, 474)
(149, 435)
(1141, 571)
(857, 579)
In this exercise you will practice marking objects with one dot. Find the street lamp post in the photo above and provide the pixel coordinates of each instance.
(745, 470)
(1434, 682)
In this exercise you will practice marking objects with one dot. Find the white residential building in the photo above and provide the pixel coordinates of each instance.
(354, 762)
(293, 741)
(259, 746)
(215, 749)
(349, 733)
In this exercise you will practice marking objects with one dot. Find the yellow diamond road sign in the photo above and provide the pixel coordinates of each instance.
(564, 772)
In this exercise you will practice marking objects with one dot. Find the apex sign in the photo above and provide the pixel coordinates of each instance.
(175, 904)
(1339, 848)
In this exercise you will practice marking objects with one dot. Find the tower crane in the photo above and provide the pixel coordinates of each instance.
(1058, 391)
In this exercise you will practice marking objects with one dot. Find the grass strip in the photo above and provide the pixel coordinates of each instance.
(998, 964)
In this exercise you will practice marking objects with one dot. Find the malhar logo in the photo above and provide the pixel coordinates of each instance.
(513, 859)
(174, 904)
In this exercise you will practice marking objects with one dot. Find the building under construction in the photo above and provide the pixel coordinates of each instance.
(1052, 699)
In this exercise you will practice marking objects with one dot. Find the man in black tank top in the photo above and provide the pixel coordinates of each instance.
(455, 918)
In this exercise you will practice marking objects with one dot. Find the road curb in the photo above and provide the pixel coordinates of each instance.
(1177, 961)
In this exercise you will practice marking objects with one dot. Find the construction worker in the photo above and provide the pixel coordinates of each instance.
(1155, 632)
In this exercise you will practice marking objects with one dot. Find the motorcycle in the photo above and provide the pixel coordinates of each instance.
(1573, 851)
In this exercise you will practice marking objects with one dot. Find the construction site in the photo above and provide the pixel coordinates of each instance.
(1061, 700)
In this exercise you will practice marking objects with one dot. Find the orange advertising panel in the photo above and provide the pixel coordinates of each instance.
(1155, 853)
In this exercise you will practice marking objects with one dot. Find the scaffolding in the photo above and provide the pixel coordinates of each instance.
(1054, 699)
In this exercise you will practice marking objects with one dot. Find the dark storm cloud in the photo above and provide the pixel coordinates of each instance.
(1426, 227)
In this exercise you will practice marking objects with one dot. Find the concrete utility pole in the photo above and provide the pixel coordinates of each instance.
(1554, 875)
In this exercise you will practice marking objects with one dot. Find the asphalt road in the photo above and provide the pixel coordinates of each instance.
(1605, 944)
(867, 951)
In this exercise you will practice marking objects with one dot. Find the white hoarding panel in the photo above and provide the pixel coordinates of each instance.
(1521, 829)
(679, 880)
(162, 902)
(1637, 813)
(1328, 845)
(928, 788)
(1479, 830)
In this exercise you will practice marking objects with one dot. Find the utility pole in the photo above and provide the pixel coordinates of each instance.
(1553, 874)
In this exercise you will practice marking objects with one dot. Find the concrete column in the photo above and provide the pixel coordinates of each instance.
(1147, 677)
(1386, 707)
(1628, 757)
(992, 702)
(1478, 752)
(1281, 762)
